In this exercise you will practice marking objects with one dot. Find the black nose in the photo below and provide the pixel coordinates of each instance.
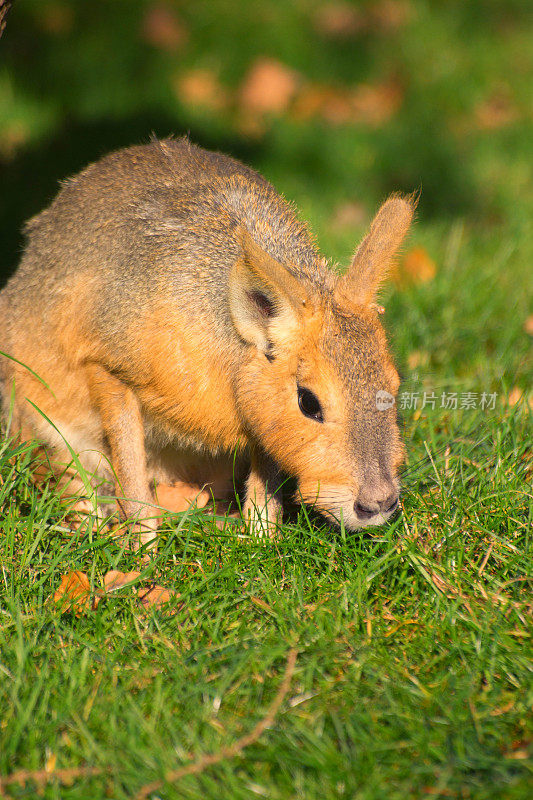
(387, 506)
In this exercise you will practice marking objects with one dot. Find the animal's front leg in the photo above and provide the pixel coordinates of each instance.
(123, 426)
(263, 503)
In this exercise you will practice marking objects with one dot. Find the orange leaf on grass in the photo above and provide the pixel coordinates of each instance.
(201, 87)
(155, 596)
(152, 596)
(517, 395)
(343, 21)
(268, 87)
(50, 763)
(117, 580)
(74, 594)
(370, 104)
(417, 358)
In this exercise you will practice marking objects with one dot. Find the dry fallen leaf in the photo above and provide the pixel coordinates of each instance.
(201, 87)
(155, 596)
(74, 594)
(162, 28)
(152, 596)
(368, 104)
(519, 749)
(268, 87)
(528, 325)
(416, 267)
(262, 604)
(516, 395)
(51, 761)
(517, 754)
(117, 580)
(344, 21)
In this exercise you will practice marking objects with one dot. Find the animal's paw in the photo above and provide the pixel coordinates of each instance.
(83, 513)
(263, 522)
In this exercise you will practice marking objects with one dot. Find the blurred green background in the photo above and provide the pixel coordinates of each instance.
(337, 103)
(356, 99)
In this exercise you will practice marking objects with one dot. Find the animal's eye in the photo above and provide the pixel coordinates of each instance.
(309, 404)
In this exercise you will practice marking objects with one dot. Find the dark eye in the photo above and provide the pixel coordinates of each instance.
(309, 404)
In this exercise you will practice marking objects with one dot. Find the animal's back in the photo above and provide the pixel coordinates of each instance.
(152, 220)
(144, 204)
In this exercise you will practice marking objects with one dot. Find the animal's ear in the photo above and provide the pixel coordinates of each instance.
(377, 250)
(265, 300)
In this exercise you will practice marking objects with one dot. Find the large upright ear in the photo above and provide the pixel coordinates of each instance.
(377, 250)
(263, 295)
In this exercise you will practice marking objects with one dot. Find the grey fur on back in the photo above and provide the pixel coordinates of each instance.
(165, 212)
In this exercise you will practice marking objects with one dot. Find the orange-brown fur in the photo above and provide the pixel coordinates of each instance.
(177, 309)
(177, 372)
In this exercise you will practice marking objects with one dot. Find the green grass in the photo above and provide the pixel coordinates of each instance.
(413, 676)
(413, 673)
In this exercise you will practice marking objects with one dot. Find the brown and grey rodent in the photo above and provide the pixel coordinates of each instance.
(179, 313)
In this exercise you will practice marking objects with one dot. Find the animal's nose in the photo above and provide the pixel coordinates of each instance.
(369, 503)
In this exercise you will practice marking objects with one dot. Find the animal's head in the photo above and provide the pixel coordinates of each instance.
(317, 387)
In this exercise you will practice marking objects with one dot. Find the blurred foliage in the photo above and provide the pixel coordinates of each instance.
(381, 96)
